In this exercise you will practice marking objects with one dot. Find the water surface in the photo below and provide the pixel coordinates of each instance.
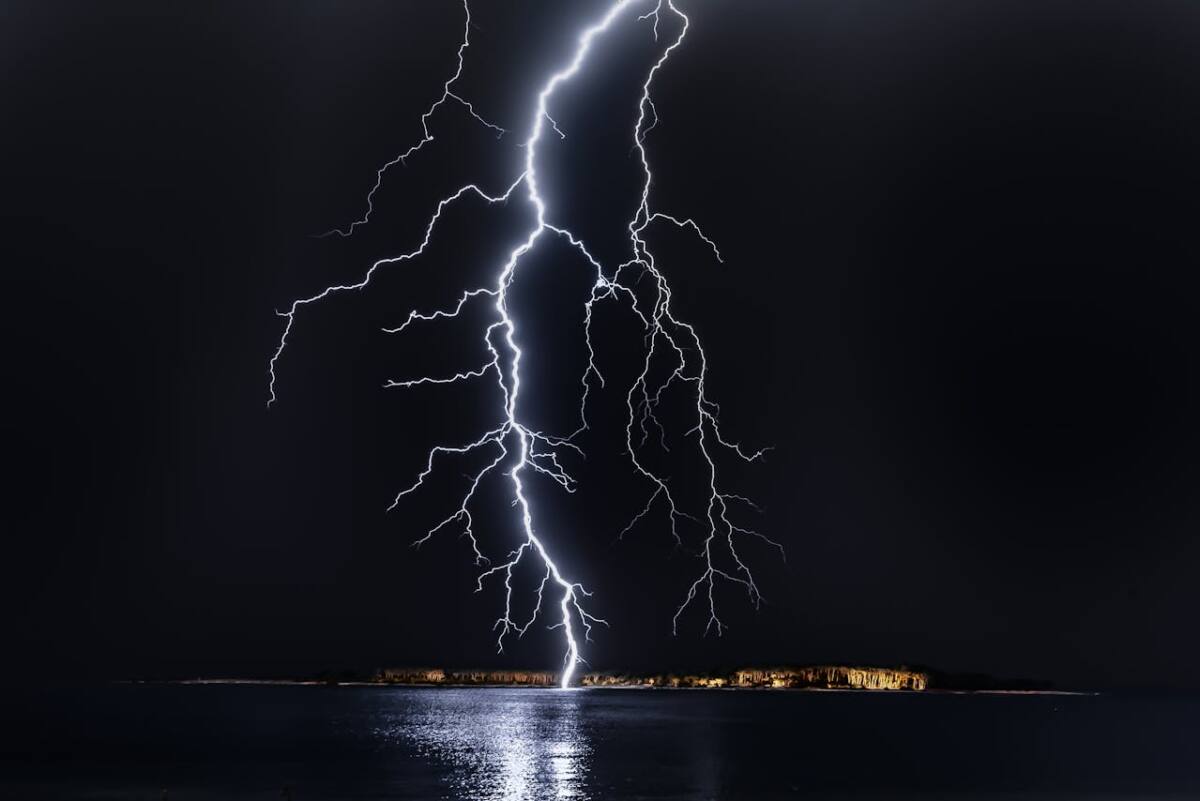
(266, 742)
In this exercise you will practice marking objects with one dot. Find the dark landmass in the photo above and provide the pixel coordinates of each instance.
(981, 682)
(814, 677)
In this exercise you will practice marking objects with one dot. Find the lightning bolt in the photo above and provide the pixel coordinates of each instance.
(516, 449)
(448, 96)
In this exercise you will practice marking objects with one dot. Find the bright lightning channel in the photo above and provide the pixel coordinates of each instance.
(665, 336)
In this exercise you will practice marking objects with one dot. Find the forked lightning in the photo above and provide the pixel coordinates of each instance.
(519, 451)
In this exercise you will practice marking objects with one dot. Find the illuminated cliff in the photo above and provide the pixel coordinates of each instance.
(833, 677)
(816, 677)
(811, 677)
(437, 676)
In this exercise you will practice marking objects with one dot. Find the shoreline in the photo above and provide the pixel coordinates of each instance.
(640, 687)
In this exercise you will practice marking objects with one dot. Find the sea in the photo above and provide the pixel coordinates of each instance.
(236, 742)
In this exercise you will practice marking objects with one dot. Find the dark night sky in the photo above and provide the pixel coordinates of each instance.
(959, 298)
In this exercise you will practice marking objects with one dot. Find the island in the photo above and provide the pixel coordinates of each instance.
(829, 677)
(855, 678)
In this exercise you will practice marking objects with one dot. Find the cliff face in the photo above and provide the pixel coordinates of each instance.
(411, 676)
(515, 678)
(834, 676)
(819, 676)
(520, 678)
(656, 680)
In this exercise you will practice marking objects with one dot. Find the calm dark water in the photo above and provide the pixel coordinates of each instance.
(240, 742)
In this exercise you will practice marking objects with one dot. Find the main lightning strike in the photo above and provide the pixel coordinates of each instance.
(666, 336)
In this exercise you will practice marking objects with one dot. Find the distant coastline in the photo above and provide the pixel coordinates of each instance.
(810, 677)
